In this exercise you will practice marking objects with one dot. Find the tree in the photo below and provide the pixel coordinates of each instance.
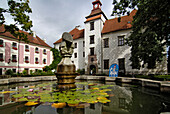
(19, 10)
(150, 31)
(56, 60)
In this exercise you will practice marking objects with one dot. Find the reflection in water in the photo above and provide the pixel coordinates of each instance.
(125, 99)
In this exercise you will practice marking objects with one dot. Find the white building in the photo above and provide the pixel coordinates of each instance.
(104, 44)
(19, 56)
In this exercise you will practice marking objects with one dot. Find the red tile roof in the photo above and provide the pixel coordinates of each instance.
(93, 18)
(113, 24)
(31, 39)
(76, 33)
(96, 12)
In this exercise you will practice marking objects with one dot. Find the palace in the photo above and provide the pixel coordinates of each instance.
(18, 55)
(102, 43)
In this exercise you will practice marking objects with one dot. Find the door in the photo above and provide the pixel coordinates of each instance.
(122, 67)
(0, 71)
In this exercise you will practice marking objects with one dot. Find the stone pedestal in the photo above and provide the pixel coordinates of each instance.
(66, 70)
(66, 76)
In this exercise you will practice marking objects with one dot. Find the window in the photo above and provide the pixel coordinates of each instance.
(92, 59)
(83, 54)
(106, 64)
(121, 64)
(92, 39)
(83, 43)
(106, 43)
(1, 57)
(121, 102)
(26, 59)
(75, 45)
(120, 40)
(1, 43)
(14, 46)
(92, 51)
(44, 61)
(36, 60)
(44, 51)
(26, 48)
(36, 50)
(14, 58)
(91, 25)
(14, 70)
(75, 55)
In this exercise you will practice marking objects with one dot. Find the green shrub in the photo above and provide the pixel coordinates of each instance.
(24, 72)
(81, 71)
(9, 72)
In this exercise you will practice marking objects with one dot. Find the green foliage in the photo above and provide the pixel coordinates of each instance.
(150, 31)
(19, 10)
(24, 72)
(81, 71)
(56, 60)
(9, 72)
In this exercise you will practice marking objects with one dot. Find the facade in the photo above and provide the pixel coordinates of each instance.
(19, 56)
(104, 45)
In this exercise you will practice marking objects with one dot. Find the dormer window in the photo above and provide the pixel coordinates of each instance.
(36, 60)
(26, 59)
(26, 48)
(91, 25)
(1, 43)
(36, 50)
(14, 46)
(44, 51)
(44, 61)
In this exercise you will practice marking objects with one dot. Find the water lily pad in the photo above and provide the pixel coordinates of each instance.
(31, 103)
(58, 105)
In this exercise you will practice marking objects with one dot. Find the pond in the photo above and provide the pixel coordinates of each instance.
(87, 98)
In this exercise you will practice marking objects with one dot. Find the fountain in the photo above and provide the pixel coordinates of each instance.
(65, 72)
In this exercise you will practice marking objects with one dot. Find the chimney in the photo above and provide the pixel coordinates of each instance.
(34, 34)
(78, 27)
(44, 40)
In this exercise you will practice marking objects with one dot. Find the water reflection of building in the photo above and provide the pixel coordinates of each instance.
(120, 100)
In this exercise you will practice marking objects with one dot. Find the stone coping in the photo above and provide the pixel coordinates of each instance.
(27, 79)
(163, 86)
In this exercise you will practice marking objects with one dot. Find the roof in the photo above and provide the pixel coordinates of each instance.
(93, 18)
(31, 39)
(96, 12)
(76, 33)
(112, 25)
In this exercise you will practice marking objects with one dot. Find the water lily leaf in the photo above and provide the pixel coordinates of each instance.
(58, 105)
(23, 99)
(4, 92)
(31, 103)
(17, 95)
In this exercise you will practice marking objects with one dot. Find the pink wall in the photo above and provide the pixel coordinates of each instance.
(31, 55)
(41, 54)
(48, 57)
(7, 51)
(21, 54)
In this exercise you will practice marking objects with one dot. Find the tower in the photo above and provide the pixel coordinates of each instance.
(93, 27)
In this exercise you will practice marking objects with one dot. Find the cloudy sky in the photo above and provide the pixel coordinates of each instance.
(53, 17)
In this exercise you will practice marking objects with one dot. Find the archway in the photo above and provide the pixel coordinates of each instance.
(92, 69)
